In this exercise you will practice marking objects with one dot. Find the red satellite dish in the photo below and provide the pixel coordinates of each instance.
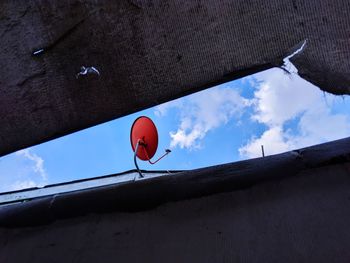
(145, 132)
(144, 140)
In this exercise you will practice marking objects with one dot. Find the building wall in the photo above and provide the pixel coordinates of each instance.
(304, 218)
(149, 52)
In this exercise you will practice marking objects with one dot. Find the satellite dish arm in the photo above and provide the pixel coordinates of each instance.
(167, 151)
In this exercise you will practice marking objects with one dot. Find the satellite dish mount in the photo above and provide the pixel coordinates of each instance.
(144, 141)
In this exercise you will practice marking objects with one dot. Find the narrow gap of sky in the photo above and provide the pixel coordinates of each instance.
(223, 124)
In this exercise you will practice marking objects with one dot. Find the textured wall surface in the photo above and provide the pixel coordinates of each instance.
(304, 218)
(149, 52)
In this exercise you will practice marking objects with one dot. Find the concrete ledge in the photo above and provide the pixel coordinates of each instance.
(147, 194)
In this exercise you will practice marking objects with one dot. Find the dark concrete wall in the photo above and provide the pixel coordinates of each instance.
(304, 218)
(149, 52)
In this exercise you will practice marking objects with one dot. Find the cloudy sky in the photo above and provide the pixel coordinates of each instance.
(223, 124)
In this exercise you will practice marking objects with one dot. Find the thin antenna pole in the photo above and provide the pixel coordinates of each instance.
(135, 161)
(262, 151)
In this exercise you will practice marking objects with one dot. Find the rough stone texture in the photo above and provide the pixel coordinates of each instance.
(298, 219)
(149, 52)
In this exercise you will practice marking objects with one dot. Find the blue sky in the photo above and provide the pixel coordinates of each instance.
(223, 124)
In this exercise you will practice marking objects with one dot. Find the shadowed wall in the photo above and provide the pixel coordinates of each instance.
(149, 52)
(298, 219)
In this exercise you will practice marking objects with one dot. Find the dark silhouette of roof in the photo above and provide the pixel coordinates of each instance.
(149, 52)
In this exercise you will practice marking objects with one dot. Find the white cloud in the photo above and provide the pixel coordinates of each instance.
(162, 109)
(273, 139)
(202, 112)
(280, 98)
(24, 169)
(319, 125)
(38, 166)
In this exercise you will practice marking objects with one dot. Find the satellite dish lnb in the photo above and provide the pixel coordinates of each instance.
(144, 141)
